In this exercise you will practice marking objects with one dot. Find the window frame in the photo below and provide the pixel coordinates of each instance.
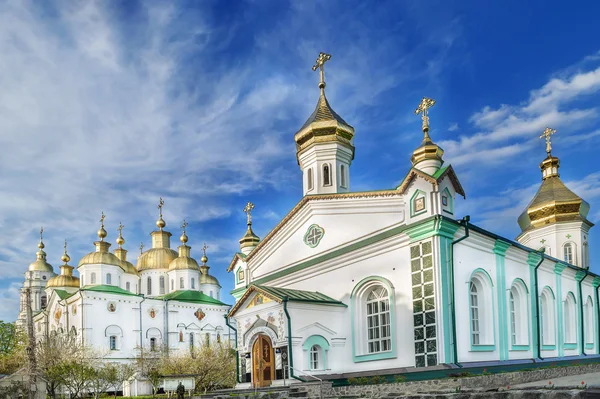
(548, 319)
(327, 175)
(93, 278)
(310, 182)
(570, 245)
(181, 283)
(570, 319)
(519, 309)
(112, 342)
(108, 279)
(486, 310)
(149, 285)
(323, 348)
(128, 286)
(589, 323)
(343, 182)
(161, 285)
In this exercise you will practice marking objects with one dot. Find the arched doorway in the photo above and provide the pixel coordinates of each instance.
(263, 362)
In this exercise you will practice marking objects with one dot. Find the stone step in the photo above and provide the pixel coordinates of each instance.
(302, 394)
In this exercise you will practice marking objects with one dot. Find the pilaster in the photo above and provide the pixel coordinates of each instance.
(579, 276)
(596, 284)
(533, 259)
(558, 269)
(500, 248)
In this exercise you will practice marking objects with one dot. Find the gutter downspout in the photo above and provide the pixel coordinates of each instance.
(598, 312)
(538, 349)
(82, 315)
(464, 222)
(582, 332)
(166, 326)
(237, 353)
(290, 352)
(141, 334)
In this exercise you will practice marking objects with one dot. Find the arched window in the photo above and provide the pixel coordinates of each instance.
(343, 176)
(93, 278)
(481, 310)
(73, 331)
(569, 253)
(152, 344)
(181, 282)
(128, 286)
(193, 283)
(161, 285)
(149, 286)
(547, 317)
(570, 319)
(211, 293)
(112, 342)
(309, 178)
(315, 357)
(108, 278)
(378, 320)
(172, 285)
(43, 301)
(218, 295)
(589, 321)
(519, 315)
(586, 255)
(113, 333)
(191, 340)
(326, 175)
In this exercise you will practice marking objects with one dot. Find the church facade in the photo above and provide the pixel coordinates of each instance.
(393, 280)
(167, 300)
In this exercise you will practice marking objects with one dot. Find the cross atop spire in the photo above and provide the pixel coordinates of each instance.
(41, 233)
(102, 219)
(141, 248)
(248, 211)
(547, 133)
(204, 248)
(319, 64)
(184, 225)
(160, 205)
(120, 229)
(160, 223)
(423, 109)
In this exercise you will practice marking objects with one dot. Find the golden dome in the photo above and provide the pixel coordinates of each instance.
(104, 258)
(249, 239)
(63, 281)
(40, 264)
(156, 258)
(128, 267)
(553, 202)
(208, 279)
(184, 262)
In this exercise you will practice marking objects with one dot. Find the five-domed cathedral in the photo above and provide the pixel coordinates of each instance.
(393, 281)
(166, 300)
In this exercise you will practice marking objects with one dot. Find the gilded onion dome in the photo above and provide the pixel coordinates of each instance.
(249, 240)
(428, 150)
(184, 261)
(553, 202)
(205, 277)
(101, 254)
(121, 253)
(160, 255)
(65, 278)
(40, 264)
(324, 124)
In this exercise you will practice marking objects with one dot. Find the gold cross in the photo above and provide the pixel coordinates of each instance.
(120, 229)
(184, 225)
(102, 219)
(547, 133)
(141, 248)
(160, 205)
(41, 233)
(204, 248)
(248, 211)
(65, 246)
(319, 63)
(423, 109)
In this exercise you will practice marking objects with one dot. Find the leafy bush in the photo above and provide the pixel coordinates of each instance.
(400, 378)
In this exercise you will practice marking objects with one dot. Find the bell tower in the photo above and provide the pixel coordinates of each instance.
(324, 145)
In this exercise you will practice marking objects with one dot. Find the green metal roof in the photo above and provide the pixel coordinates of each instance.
(300, 296)
(191, 296)
(111, 289)
(62, 294)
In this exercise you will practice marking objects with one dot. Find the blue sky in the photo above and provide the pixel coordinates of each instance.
(107, 105)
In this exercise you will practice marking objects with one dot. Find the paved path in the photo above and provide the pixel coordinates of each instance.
(590, 379)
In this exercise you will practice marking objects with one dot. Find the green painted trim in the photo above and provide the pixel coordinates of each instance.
(520, 348)
(589, 346)
(559, 311)
(445, 253)
(238, 293)
(413, 213)
(321, 342)
(548, 347)
(237, 271)
(315, 226)
(569, 346)
(500, 248)
(559, 267)
(450, 205)
(530, 321)
(534, 260)
(422, 231)
(579, 276)
(478, 348)
(482, 348)
(392, 300)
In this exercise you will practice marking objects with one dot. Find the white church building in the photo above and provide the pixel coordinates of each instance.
(385, 280)
(167, 300)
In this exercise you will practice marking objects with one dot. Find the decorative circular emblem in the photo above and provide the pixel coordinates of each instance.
(313, 235)
(43, 277)
(74, 309)
(152, 312)
(199, 314)
(57, 314)
(112, 307)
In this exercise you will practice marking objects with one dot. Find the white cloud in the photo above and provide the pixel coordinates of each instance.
(453, 127)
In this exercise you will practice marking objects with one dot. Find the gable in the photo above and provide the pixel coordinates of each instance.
(324, 224)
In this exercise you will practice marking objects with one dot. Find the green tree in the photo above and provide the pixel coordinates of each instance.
(12, 348)
(117, 374)
(150, 364)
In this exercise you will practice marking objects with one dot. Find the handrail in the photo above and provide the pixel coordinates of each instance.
(308, 375)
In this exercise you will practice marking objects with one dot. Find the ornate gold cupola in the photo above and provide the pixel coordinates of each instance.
(428, 156)
(40, 264)
(184, 261)
(161, 254)
(556, 217)
(101, 254)
(250, 240)
(324, 145)
(205, 277)
(121, 253)
(66, 278)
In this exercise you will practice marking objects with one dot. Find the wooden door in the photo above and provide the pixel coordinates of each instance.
(263, 362)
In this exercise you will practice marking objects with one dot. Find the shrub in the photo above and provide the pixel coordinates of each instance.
(400, 378)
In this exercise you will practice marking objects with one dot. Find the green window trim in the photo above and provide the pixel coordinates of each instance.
(450, 207)
(548, 347)
(417, 194)
(367, 357)
(483, 348)
(569, 345)
(520, 347)
(589, 346)
(321, 342)
(237, 274)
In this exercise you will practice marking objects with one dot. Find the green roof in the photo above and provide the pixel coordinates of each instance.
(439, 172)
(300, 296)
(191, 296)
(111, 289)
(62, 294)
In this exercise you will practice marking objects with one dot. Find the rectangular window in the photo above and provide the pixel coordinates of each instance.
(423, 297)
(181, 282)
(109, 279)
(161, 283)
(113, 343)
(128, 286)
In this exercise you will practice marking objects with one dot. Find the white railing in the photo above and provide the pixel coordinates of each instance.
(306, 374)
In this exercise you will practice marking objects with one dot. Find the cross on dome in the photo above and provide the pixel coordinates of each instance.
(248, 211)
(423, 109)
(319, 64)
(546, 134)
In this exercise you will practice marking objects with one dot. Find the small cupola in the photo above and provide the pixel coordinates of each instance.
(40, 264)
(428, 156)
(66, 278)
(250, 240)
(324, 145)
